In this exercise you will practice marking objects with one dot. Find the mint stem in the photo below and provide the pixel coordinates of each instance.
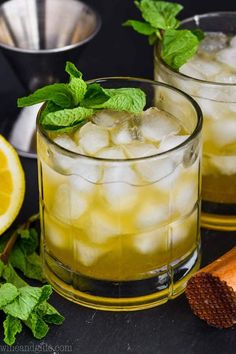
(4, 256)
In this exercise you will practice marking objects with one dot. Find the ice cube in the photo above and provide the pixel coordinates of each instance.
(62, 162)
(226, 78)
(212, 109)
(68, 205)
(50, 176)
(140, 149)
(227, 56)
(115, 152)
(120, 196)
(189, 70)
(56, 234)
(156, 124)
(213, 42)
(185, 229)
(233, 42)
(204, 68)
(86, 254)
(185, 195)
(208, 92)
(152, 213)
(80, 184)
(167, 183)
(223, 131)
(101, 228)
(66, 142)
(155, 169)
(149, 242)
(172, 141)
(92, 138)
(109, 119)
(231, 107)
(122, 134)
(88, 169)
(225, 164)
(119, 172)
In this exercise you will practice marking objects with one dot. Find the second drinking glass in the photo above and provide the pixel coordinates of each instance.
(210, 78)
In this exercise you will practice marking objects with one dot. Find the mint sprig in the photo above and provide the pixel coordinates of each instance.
(160, 14)
(69, 105)
(20, 302)
(177, 46)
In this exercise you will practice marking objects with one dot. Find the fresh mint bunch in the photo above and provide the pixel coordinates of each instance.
(162, 26)
(21, 303)
(68, 105)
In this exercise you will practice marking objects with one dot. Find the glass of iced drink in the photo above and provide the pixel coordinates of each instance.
(120, 202)
(210, 78)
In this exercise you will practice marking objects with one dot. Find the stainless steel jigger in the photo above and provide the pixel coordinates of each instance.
(37, 37)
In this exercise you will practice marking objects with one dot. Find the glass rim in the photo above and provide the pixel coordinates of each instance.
(190, 78)
(191, 137)
(98, 24)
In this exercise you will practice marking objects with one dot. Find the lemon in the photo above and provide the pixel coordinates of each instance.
(12, 184)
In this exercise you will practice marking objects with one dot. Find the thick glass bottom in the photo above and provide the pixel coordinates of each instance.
(163, 284)
(218, 216)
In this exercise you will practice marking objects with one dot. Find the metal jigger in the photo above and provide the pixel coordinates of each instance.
(37, 37)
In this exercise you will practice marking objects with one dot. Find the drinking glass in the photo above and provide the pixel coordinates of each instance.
(123, 234)
(218, 103)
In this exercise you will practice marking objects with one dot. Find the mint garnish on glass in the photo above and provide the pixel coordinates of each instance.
(68, 105)
(161, 26)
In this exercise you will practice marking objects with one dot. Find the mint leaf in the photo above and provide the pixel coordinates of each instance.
(78, 89)
(94, 96)
(72, 70)
(48, 107)
(49, 313)
(46, 291)
(29, 241)
(199, 34)
(57, 93)
(124, 99)
(33, 267)
(160, 14)
(29, 265)
(66, 118)
(10, 275)
(37, 325)
(12, 326)
(22, 306)
(2, 266)
(140, 27)
(178, 47)
(153, 38)
(8, 293)
(24, 257)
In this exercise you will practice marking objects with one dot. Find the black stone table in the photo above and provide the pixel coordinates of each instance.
(170, 328)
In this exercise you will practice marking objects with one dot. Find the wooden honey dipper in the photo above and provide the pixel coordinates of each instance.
(211, 292)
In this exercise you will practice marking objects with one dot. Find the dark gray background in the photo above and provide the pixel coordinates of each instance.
(170, 328)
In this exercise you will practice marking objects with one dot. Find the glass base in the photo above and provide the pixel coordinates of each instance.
(217, 216)
(133, 295)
